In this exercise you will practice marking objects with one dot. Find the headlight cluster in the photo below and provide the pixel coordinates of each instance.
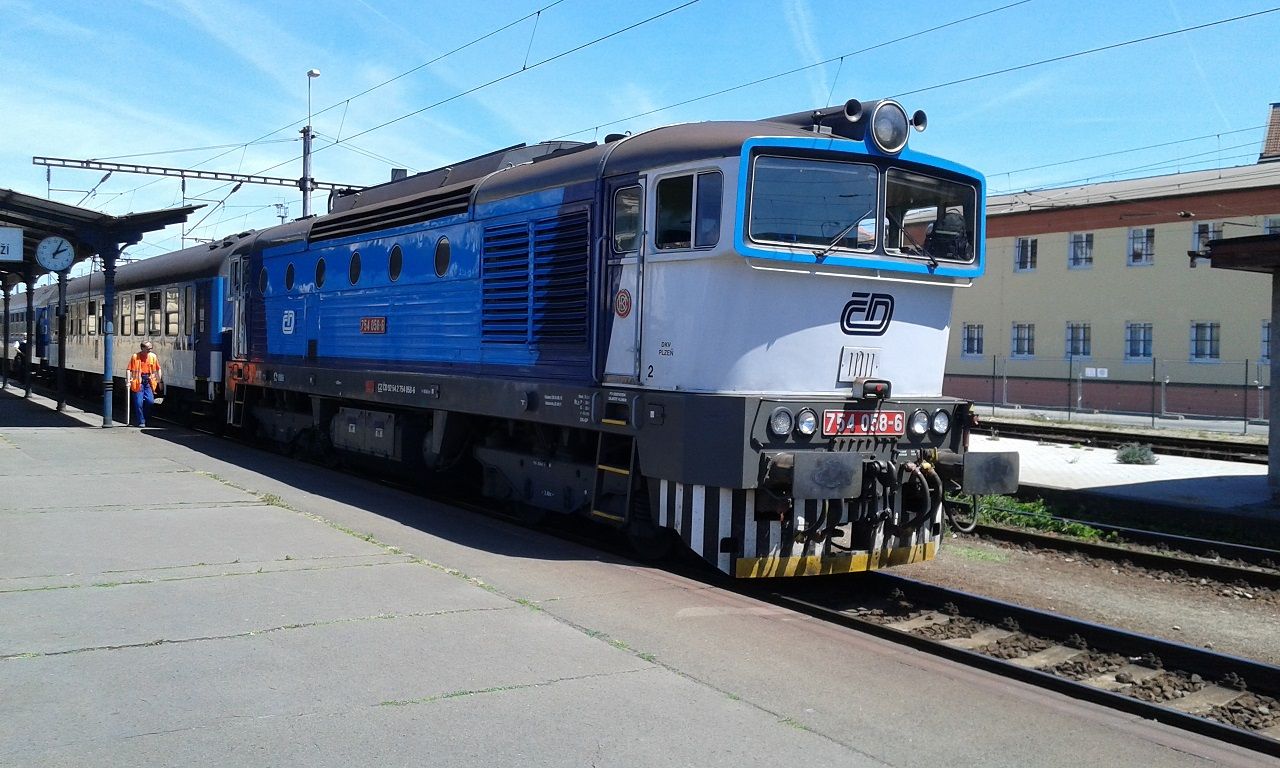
(921, 422)
(781, 422)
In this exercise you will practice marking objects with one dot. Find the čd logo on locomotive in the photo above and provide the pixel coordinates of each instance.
(867, 314)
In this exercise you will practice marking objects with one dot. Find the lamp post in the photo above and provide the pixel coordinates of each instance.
(306, 183)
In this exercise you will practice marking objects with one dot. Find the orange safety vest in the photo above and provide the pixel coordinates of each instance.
(138, 366)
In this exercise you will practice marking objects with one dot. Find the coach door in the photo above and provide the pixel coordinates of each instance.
(624, 254)
(239, 307)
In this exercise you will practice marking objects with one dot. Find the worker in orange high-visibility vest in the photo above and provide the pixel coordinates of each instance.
(144, 380)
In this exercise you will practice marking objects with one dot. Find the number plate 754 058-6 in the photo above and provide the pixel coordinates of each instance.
(888, 423)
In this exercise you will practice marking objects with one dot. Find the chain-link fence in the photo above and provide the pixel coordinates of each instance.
(1161, 390)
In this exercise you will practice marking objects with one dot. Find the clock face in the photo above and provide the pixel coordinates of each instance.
(55, 253)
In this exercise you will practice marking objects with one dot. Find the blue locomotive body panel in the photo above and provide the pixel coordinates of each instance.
(511, 294)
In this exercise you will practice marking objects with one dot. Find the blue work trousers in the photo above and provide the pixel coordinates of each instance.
(143, 399)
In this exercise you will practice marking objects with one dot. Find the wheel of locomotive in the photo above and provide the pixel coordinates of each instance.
(647, 540)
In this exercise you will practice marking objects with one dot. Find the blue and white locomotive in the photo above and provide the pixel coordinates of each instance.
(727, 333)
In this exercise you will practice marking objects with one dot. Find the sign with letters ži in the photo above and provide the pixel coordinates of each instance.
(10, 243)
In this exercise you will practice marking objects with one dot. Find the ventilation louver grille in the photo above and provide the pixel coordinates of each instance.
(506, 284)
(561, 249)
(392, 214)
(555, 310)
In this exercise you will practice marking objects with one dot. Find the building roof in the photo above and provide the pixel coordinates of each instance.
(1271, 144)
(1128, 190)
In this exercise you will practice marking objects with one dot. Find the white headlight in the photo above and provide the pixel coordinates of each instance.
(919, 423)
(941, 422)
(889, 127)
(807, 422)
(780, 422)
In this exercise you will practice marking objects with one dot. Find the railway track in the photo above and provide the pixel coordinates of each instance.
(1220, 696)
(1214, 561)
(1175, 445)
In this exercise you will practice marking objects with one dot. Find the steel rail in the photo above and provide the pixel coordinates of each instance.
(1157, 561)
(1259, 677)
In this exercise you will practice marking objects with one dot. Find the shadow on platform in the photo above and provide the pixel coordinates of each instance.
(17, 411)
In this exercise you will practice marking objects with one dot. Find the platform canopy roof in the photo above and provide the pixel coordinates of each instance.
(1256, 253)
(90, 231)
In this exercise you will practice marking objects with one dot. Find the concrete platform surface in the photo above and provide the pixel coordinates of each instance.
(169, 598)
(1204, 484)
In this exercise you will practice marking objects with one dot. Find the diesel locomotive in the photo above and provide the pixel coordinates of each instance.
(725, 334)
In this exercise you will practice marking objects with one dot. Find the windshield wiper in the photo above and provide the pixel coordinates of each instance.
(822, 253)
(925, 252)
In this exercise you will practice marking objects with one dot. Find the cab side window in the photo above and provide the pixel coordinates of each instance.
(688, 210)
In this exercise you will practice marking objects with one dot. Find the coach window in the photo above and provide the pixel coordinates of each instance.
(126, 316)
(93, 318)
(395, 262)
(442, 256)
(188, 309)
(171, 312)
(354, 270)
(140, 314)
(153, 313)
(320, 273)
(626, 219)
(289, 277)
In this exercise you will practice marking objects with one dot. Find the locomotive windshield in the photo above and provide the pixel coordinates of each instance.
(822, 203)
(929, 217)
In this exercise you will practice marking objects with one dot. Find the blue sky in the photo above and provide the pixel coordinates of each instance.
(136, 81)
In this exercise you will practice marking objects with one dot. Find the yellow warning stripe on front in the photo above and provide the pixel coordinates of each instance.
(608, 515)
(817, 565)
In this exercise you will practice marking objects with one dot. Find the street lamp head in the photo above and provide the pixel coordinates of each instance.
(313, 73)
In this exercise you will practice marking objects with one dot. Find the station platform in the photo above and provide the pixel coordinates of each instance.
(1192, 484)
(170, 598)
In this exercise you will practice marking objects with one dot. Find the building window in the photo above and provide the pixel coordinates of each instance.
(1204, 341)
(1079, 340)
(1265, 357)
(972, 339)
(1024, 254)
(1137, 341)
(1271, 225)
(1203, 232)
(1024, 340)
(1142, 247)
(1080, 250)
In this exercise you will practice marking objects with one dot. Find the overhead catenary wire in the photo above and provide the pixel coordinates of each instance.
(261, 139)
(504, 77)
(795, 70)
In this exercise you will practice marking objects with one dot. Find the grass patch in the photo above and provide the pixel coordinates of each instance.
(1135, 453)
(1036, 515)
(969, 553)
